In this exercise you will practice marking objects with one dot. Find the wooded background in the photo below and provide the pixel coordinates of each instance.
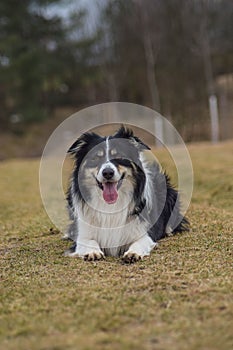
(171, 55)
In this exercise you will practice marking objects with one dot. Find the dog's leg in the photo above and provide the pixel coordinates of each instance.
(88, 249)
(139, 249)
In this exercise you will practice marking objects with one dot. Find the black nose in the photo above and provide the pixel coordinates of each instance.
(108, 173)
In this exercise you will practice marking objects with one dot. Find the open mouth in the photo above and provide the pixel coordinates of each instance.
(110, 189)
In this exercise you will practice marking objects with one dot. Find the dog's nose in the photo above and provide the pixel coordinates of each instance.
(108, 173)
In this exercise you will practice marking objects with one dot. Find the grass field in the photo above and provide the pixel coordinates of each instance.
(179, 298)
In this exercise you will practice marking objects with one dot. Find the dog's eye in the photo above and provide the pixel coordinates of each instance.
(92, 163)
(94, 159)
(113, 152)
(117, 156)
(98, 154)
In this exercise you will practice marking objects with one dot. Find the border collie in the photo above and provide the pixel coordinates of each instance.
(119, 200)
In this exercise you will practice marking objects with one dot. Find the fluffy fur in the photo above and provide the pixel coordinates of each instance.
(120, 203)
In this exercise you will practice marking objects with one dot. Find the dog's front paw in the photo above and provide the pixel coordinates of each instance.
(130, 257)
(95, 255)
(71, 254)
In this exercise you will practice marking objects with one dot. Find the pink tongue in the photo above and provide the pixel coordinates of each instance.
(110, 192)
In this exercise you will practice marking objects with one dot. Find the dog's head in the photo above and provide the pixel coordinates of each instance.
(110, 163)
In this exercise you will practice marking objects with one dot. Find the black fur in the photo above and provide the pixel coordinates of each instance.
(79, 149)
(179, 223)
(139, 178)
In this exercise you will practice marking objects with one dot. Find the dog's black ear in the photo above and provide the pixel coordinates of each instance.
(127, 133)
(124, 132)
(76, 146)
(83, 140)
(141, 145)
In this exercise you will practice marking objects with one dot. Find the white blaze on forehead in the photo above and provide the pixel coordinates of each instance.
(107, 148)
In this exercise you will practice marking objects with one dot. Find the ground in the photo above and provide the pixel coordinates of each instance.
(180, 297)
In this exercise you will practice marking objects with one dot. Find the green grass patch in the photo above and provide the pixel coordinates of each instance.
(180, 297)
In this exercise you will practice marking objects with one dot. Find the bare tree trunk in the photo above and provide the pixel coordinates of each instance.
(113, 91)
(208, 69)
(149, 56)
(150, 67)
(150, 70)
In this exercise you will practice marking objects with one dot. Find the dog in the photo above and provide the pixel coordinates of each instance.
(120, 202)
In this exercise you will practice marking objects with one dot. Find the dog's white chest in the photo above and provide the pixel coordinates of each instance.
(110, 230)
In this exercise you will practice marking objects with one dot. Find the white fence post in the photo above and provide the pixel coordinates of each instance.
(213, 105)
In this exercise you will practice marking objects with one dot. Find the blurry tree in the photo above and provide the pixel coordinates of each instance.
(165, 54)
(123, 62)
(41, 58)
(27, 42)
(209, 25)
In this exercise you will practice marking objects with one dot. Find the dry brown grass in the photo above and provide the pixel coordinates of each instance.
(179, 298)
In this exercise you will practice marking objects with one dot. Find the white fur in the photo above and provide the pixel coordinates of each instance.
(107, 148)
(113, 240)
(142, 246)
(149, 186)
(169, 231)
